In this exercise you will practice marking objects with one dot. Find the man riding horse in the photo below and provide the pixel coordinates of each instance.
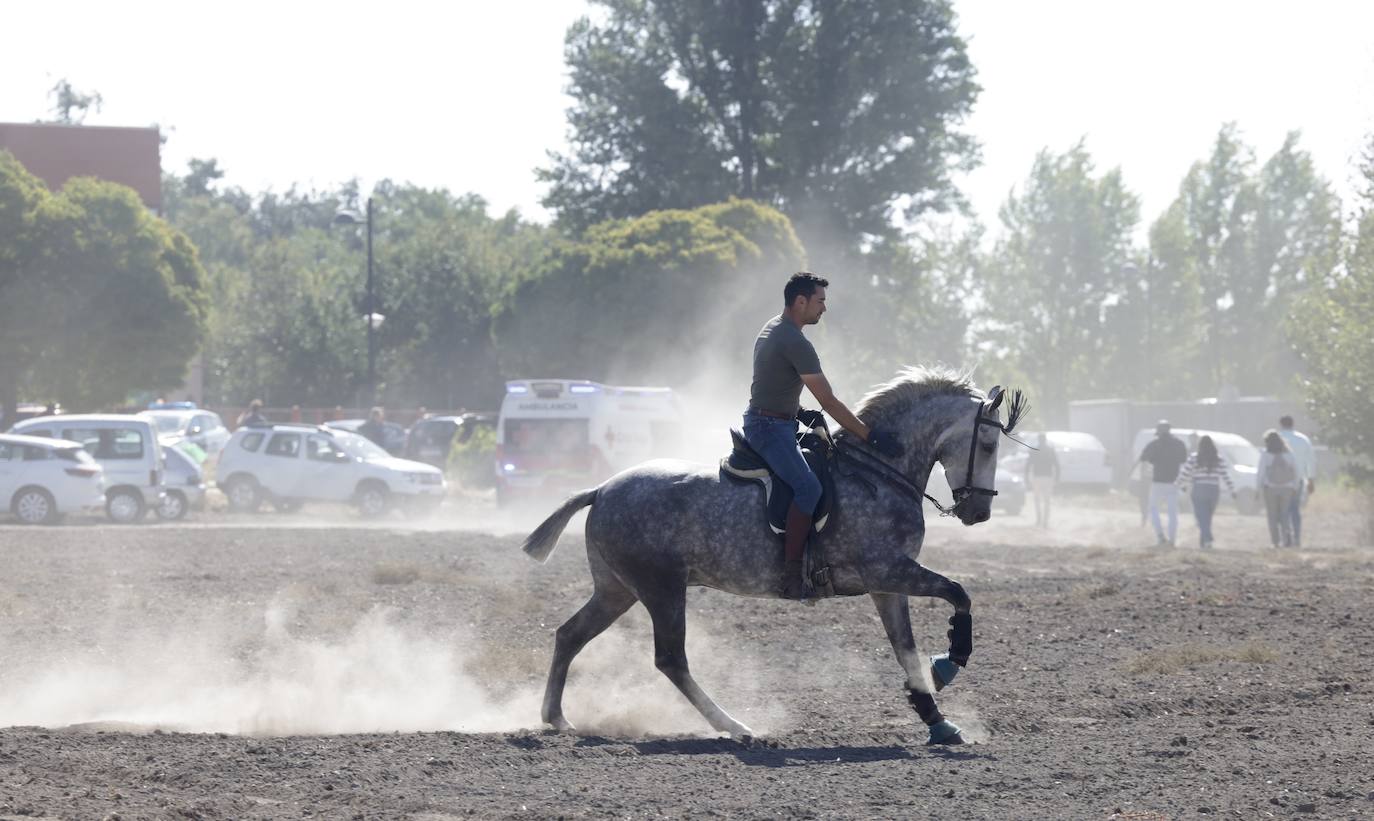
(784, 361)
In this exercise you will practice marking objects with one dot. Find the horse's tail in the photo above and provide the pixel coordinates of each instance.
(544, 539)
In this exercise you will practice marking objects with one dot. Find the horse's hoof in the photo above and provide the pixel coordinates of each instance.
(742, 734)
(942, 671)
(945, 732)
(562, 725)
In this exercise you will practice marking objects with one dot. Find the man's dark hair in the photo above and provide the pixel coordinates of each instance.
(802, 283)
(1286, 422)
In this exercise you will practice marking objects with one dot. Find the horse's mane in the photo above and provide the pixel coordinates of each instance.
(912, 384)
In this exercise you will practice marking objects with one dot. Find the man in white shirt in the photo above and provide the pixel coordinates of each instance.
(1306, 460)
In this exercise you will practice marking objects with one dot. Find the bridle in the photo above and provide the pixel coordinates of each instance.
(985, 415)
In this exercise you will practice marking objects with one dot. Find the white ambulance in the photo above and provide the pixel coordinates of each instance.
(554, 436)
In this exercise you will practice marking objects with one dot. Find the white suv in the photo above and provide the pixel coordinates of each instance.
(288, 465)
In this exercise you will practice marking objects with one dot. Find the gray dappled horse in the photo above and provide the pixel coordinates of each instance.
(657, 528)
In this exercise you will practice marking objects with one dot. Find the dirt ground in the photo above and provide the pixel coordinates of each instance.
(271, 667)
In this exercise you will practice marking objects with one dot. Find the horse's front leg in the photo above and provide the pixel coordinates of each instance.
(908, 578)
(896, 617)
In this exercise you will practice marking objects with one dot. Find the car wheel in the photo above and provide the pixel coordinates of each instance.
(243, 494)
(373, 499)
(286, 505)
(173, 507)
(34, 506)
(125, 506)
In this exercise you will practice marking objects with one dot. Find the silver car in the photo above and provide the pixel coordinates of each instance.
(185, 484)
(200, 426)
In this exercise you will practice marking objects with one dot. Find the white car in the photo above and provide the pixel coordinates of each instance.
(288, 465)
(125, 445)
(1242, 463)
(42, 479)
(202, 427)
(1083, 459)
(184, 480)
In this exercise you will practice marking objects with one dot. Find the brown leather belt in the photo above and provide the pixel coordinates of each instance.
(773, 414)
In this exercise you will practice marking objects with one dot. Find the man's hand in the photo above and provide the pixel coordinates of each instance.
(885, 443)
(1311, 487)
(810, 418)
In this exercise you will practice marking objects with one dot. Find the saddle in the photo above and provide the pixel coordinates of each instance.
(744, 464)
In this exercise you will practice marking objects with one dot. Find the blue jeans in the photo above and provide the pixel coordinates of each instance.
(776, 442)
(1165, 493)
(1277, 503)
(1295, 514)
(1204, 505)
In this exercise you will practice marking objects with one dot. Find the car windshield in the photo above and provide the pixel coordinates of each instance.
(170, 422)
(359, 446)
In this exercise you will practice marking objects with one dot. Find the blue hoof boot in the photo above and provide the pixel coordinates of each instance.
(942, 671)
(945, 732)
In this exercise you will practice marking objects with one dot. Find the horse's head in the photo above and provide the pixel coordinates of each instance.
(938, 415)
(968, 451)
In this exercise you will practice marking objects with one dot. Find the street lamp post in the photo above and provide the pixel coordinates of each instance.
(370, 315)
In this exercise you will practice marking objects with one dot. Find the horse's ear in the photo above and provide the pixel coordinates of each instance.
(995, 398)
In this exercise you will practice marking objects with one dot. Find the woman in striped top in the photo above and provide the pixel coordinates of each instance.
(1205, 470)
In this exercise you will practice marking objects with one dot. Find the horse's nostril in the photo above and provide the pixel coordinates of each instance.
(983, 516)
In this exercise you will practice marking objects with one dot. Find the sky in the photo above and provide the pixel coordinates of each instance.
(469, 95)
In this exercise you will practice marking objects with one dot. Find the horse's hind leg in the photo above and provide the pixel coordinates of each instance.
(896, 617)
(669, 614)
(609, 602)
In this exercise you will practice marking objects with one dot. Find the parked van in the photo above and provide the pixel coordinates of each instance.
(559, 435)
(125, 445)
(1242, 463)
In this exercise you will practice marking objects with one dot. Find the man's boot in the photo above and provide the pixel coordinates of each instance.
(794, 542)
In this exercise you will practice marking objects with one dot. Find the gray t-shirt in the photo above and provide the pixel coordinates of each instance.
(781, 355)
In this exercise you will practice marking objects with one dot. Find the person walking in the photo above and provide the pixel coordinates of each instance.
(1306, 459)
(1042, 475)
(1165, 454)
(1278, 482)
(1204, 472)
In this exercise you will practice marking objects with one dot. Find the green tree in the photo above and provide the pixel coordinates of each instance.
(839, 114)
(98, 298)
(445, 263)
(1161, 330)
(1060, 265)
(670, 296)
(288, 289)
(1332, 329)
(70, 105)
(1255, 239)
(902, 303)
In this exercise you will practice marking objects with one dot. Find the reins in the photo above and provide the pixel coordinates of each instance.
(865, 461)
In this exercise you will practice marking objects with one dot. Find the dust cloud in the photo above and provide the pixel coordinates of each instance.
(381, 675)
